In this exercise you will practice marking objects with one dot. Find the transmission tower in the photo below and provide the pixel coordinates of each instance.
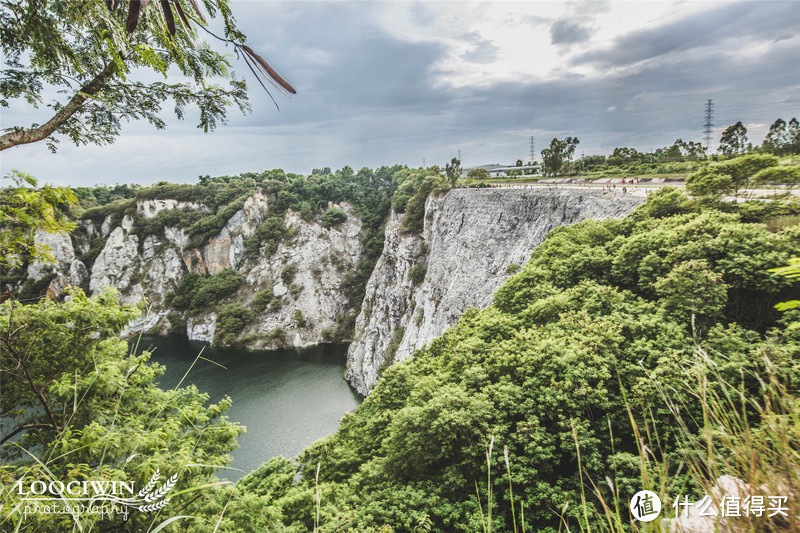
(708, 124)
(459, 155)
(533, 150)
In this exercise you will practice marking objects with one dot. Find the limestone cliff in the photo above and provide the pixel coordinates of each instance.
(296, 290)
(304, 311)
(470, 238)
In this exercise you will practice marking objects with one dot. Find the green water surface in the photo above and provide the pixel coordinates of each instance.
(286, 398)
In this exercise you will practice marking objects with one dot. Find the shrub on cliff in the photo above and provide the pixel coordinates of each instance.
(231, 320)
(333, 217)
(201, 293)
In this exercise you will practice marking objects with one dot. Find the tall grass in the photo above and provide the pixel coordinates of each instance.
(753, 438)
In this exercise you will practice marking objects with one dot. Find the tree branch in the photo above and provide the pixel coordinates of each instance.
(38, 392)
(25, 136)
(28, 426)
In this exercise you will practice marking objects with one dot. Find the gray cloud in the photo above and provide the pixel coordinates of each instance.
(484, 52)
(568, 32)
(366, 98)
(736, 25)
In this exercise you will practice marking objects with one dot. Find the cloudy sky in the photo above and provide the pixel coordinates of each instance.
(381, 83)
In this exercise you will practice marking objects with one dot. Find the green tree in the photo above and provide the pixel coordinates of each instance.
(333, 217)
(682, 149)
(25, 210)
(728, 177)
(623, 155)
(741, 169)
(558, 154)
(453, 170)
(709, 182)
(777, 175)
(776, 137)
(479, 174)
(83, 50)
(733, 140)
(782, 138)
(231, 320)
(87, 408)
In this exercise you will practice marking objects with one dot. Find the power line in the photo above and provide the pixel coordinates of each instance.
(708, 125)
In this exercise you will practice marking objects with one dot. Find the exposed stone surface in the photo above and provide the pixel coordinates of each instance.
(322, 259)
(706, 517)
(105, 227)
(151, 208)
(227, 249)
(469, 239)
(202, 328)
(78, 275)
(116, 264)
(472, 236)
(60, 247)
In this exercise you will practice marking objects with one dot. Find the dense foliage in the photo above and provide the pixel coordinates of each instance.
(77, 404)
(603, 319)
(23, 212)
(82, 52)
(740, 173)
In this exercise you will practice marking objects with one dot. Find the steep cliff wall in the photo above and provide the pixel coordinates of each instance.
(296, 290)
(303, 310)
(470, 238)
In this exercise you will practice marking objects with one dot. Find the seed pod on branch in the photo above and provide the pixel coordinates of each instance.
(269, 70)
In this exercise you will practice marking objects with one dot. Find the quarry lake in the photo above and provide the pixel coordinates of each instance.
(287, 399)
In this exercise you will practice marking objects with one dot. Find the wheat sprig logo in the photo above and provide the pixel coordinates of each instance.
(148, 499)
(156, 498)
(150, 484)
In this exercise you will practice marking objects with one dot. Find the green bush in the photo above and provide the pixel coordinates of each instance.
(200, 293)
(277, 335)
(88, 258)
(299, 319)
(34, 289)
(288, 273)
(231, 320)
(333, 217)
(417, 272)
(585, 338)
(295, 290)
(778, 176)
(271, 231)
(262, 299)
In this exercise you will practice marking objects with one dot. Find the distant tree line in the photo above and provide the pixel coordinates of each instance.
(782, 139)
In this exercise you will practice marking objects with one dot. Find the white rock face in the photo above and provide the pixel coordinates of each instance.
(78, 275)
(177, 237)
(151, 208)
(708, 518)
(323, 259)
(472, 236)
(116, 264)
(227, 249)
(60, 246)
(202, 328)
(105, 227)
